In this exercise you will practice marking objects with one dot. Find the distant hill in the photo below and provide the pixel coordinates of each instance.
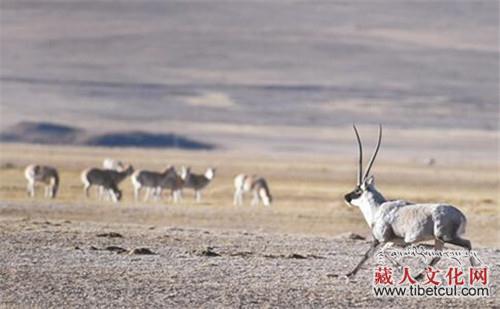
(145, 139)
(56, 134)
(41, 133)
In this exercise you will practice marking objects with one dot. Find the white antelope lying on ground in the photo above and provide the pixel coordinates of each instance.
(197, 182)
(402, 222)
(257, 185)
(104, 179)
(112, 164)
(45, 174)
(155, 182)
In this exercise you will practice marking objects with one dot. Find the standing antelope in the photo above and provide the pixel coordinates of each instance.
(152, 181)
(118, 176)
(402, 222)
(101, 178)
(197, 182)
(176, 183)
(45, 174)
(257, 185)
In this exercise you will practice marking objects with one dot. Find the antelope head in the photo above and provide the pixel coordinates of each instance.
(210, 173)
(129, 170)
(365, 193)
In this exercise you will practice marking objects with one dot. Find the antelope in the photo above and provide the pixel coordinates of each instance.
(197, 182)
(152, 181)
(112, 164)
(117, 176)
(47, 175)
(401, 222)
(176, 183)
(257, 185)
(102, 178)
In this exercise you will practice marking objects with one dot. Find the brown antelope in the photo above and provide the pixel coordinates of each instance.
(101, 178)
(257, 185)
(47, 175)
(155, 182)
(118, 176)
(197, 182)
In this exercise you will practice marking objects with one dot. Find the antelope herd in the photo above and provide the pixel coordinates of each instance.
(113, 172)
(391, 222)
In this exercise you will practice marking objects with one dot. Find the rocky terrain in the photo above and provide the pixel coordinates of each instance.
(62, 263)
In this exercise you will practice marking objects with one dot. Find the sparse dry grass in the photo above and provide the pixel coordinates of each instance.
(307, 190)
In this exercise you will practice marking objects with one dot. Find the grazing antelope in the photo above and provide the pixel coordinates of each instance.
(151, 181)
(117, 176)
(257, 185)
(45, 174)
(101, 178)
(112, 164)
(197, 182)
(402, 222)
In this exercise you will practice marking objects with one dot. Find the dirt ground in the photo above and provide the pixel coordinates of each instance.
(64, 263)
(212, 254)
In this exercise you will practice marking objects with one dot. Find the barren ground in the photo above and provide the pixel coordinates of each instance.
(292, 254)
(54, 263)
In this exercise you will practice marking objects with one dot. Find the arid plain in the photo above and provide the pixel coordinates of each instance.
(275, 86)
(291, 254)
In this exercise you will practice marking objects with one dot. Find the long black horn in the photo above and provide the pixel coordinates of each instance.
(360, 162)
(372, 159)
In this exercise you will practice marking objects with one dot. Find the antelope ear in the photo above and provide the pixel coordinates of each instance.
(370, 181)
